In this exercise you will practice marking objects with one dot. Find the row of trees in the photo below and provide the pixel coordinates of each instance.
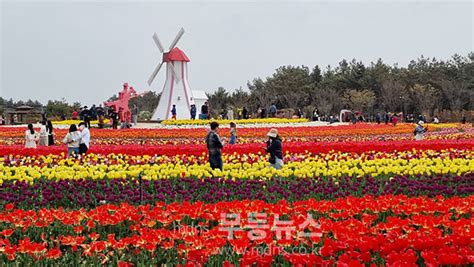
(58, 108)
(54, 108)
(426, 85)
(10, 104)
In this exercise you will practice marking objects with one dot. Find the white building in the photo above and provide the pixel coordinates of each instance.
(199, 98)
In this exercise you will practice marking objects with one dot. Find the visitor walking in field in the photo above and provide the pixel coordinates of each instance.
(84, 138)
(100, 116)
(85, 116)
(386, 118)
(395, 119)
(115, 119)
(30, 137)
(193, 112)
(275, 149)
(74, 115)
(273, 111)
(315, 115)
(299, 113)
(233, 133)
(420, 130)
(378, 118)
(135, 114)
(204, 112)
(214, 146)
(230, 114)
(72, 141)
(49, 128)
(173, 112)
(43, 134)
(245, 113)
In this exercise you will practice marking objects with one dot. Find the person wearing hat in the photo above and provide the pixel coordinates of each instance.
(275, 150)
(214, 146)
(86, 117)
(420, 130)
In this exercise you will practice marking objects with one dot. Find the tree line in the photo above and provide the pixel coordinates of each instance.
(58, 108)
(425, 86)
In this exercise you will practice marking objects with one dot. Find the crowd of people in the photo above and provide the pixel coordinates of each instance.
(45, 136)
(228, 113)
(261, 112)
(387, 118)
(77, 139)
(98, 113)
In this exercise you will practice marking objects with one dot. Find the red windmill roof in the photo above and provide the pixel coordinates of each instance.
(176, 54)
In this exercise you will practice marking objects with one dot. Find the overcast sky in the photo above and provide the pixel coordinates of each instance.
(85, 51)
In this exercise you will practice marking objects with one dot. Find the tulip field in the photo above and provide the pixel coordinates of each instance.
(349, 195)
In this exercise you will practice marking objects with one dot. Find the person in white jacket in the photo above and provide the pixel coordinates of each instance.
(30, 137)
(72, 146)
(83, 138)
(420, 130)
(43, 134)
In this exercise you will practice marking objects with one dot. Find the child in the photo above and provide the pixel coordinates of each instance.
(233, 133)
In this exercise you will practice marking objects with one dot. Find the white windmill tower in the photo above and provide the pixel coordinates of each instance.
(176, 90)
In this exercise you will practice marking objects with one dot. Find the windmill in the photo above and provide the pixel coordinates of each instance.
(176, 90)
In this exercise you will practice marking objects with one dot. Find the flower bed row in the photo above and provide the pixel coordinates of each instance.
(246, 121)
(90, 193)
(290, 147)
(69, 122)
(245, 166)
(301, 131)
(386, 230)
(91, 159)
(444, 134)
(392, 203)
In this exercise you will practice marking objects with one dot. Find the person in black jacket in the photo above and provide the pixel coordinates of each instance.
(86, 116)
(275, 150)
(204, 112)
(49, 129)
(245, 113)
(214, 146)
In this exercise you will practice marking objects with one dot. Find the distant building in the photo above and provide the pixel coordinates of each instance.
(199, 98)
(22, 115)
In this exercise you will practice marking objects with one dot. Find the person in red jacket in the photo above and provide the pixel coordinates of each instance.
(74, 115)
(394, 119)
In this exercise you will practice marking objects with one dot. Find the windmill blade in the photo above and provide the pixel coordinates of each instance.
(175, 73)
(158, 43)
(155, 72)
(180, 33)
